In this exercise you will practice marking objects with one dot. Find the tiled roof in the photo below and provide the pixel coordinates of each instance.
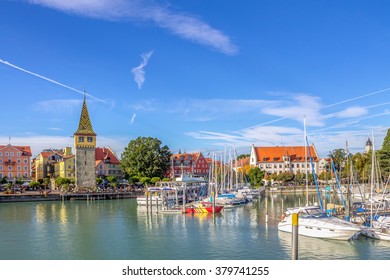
(104, 153)
(243, 161)
(49, 153)
(186, 156)
(26, 150)
(275, 154)
(85, 125)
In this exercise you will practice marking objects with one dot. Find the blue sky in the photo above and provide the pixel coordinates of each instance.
(198, 75)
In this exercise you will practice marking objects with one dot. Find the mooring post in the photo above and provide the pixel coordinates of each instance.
(151, 202)
(147, 201)
(295, 236)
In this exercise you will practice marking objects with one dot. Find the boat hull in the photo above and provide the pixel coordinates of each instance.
(203, 209)
(321, 229)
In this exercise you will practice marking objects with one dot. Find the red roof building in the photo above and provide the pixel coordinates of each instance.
(107, 163)
(280, 159)
(188, 163)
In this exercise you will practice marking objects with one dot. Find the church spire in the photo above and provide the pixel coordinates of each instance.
(85, 125)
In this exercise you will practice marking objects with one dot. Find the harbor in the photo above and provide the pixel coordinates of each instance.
(120, 229)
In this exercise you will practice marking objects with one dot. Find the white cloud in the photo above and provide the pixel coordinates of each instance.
(351, 112)
(298, 107)
(258, 135)
(180, 24)
(133, 118)
(139, 72)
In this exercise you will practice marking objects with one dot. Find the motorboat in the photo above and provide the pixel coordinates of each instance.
(314, 222)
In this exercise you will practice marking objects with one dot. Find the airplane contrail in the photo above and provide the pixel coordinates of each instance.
(50, 80)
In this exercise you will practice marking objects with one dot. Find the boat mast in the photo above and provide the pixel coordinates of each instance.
(372, 176)
(304, 139)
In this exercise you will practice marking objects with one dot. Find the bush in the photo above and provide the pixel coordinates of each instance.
(154, 180)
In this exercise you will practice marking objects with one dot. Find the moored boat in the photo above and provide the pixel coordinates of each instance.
(314, 222)
(203, 207)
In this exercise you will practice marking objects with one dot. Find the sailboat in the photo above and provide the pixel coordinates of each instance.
(313, 220)
(379, 224)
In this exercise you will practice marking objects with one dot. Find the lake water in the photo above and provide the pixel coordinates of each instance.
(121, 230)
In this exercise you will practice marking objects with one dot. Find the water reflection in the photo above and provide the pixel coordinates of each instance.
(118, 229)
(315, 248)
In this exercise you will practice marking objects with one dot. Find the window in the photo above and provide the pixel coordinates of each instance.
(18, 154)
(25, 174)
(6, 154)
(18, 161)
(19, 168)
(1, 167)
(25, 168)
(81, 138)
(25, 161)
(9, 167)
(1, 160)
(1, 154)
(89, 139)
(11, 154)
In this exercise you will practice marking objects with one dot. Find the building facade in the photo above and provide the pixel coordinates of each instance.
(85, 144)
(188, 163)
(15, 162)
(107, 163)
(276, 160)
(45, 163)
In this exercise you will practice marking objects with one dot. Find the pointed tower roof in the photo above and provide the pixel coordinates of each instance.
(85, 125)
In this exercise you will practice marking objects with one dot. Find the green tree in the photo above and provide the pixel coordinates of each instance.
(35, 184)
(63, 183)
(145, 157)
(325, 176)
(145, 181)
(46, 182)
(154, 180)
(255, 176)
(383, 156)
(243, 156)
(285, 177)
(339, 160)
(362, 165)
(99, 180)
(299, 177)
(3, 180)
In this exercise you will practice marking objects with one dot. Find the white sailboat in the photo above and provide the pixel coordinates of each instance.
(314, 221)
(379, 224)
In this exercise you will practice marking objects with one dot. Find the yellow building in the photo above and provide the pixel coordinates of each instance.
(65, 167)
(45, 163)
